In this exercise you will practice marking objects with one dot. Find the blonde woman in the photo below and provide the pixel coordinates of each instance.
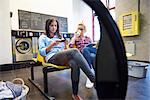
(85, 45)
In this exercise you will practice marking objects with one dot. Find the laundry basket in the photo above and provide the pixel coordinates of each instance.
(24, 91)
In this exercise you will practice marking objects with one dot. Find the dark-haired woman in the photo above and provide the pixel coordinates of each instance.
(51, 47)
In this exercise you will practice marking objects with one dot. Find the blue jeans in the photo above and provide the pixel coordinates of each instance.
(89, 54)
(74, 59)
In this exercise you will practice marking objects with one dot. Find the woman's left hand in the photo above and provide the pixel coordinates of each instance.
(66, 44)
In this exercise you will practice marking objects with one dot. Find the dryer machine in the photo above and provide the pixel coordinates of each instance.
(23, 46)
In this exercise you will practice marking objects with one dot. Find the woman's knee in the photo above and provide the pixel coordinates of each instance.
(85, 49)
(73, 52)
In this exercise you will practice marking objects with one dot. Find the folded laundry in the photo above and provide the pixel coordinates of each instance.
(5, 92)
(9, 90)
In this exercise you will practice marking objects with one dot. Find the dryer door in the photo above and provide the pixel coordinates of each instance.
(23, 46)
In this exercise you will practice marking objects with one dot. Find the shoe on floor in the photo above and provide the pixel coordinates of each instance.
(89, 84)
(76, 97)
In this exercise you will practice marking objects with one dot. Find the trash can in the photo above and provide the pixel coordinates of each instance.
(137, 69)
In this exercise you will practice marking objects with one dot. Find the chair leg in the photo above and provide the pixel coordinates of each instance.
(45, 80)
(32, 72)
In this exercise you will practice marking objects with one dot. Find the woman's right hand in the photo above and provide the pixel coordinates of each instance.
(75, 37)
(56, 42)
(78, 33)
(52, 44)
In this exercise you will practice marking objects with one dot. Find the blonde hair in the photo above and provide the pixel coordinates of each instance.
(81, 24)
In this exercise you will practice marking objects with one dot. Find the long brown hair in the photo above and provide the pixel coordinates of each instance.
(47, 30)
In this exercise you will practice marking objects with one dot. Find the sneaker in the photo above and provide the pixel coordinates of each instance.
(76, 97)
(89, 84)
(93, 71)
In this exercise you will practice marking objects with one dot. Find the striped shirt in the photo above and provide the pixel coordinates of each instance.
(80, 42)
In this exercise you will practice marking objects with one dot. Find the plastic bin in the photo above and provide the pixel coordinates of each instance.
(137, 69)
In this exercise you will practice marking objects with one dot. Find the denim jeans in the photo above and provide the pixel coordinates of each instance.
(75, 60)
(89, 54)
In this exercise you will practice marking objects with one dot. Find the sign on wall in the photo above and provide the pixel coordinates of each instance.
(36, 21)
(129, 24)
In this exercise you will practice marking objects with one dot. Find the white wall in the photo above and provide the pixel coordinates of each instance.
(51, 7)
(82, 12)
(5, 33)
(75, 10)
(86, 16)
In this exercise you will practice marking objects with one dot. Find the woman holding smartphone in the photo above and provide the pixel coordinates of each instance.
(53, 49)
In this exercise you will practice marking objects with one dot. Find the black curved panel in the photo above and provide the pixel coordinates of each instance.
(111, 61)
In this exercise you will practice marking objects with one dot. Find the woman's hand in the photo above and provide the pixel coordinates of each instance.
(52, 44)
(66, 44)
(78, 33)
(74, 38)
(56, 42)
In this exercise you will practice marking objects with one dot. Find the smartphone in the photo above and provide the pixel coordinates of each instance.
(63, 40)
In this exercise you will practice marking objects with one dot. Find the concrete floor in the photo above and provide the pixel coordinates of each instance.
(60, 85)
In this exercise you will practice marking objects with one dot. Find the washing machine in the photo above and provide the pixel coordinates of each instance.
(22, 46)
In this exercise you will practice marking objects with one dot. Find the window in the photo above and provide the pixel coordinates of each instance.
(110, 5)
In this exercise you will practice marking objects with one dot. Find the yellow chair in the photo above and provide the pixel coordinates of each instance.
(42, 60)
(47, 67)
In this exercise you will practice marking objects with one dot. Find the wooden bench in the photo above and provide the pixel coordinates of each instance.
(47, 67)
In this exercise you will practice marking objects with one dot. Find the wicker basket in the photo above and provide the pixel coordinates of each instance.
(24, 91)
